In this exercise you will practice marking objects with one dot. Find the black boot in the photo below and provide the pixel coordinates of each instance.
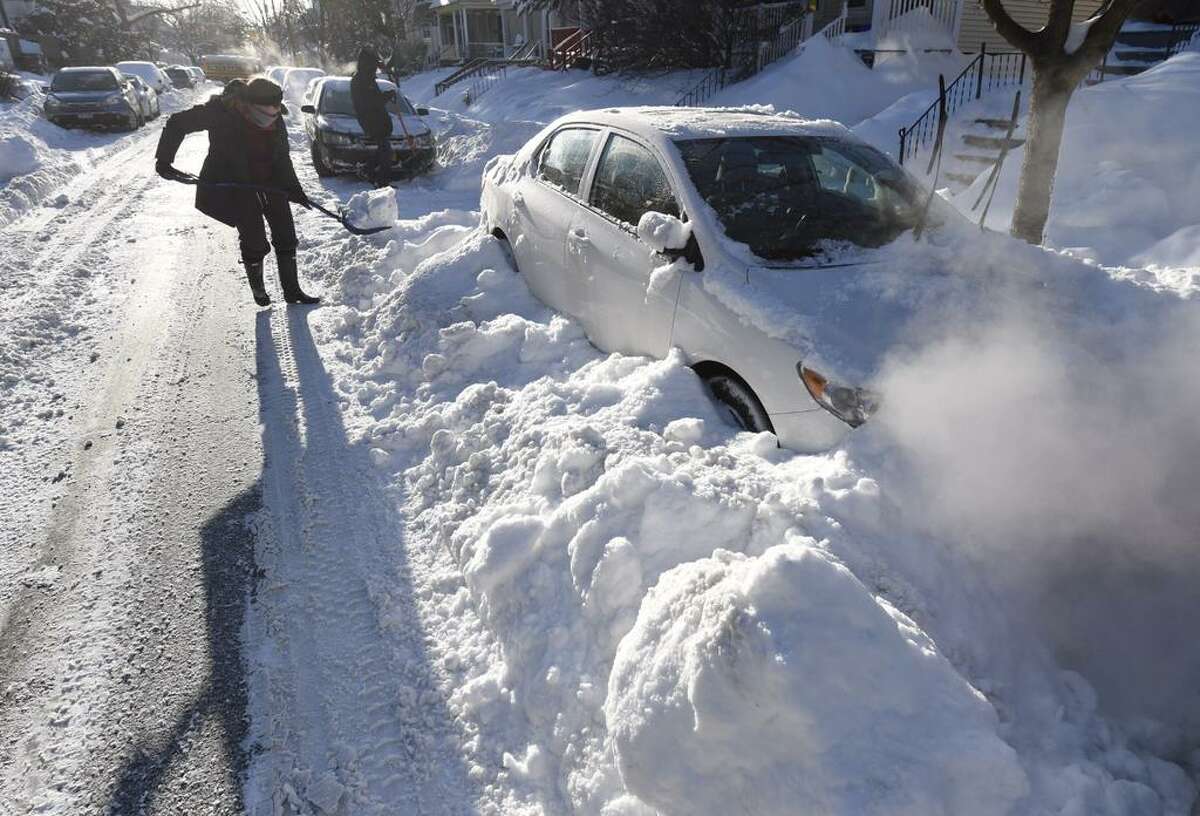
(254, 274)
(292, 292)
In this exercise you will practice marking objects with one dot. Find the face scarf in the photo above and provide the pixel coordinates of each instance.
(262, 117)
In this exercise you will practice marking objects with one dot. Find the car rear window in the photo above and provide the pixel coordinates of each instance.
(564, 158)
(630, 183)
(84, 81)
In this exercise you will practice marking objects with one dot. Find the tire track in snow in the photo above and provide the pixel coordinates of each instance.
(345, 706)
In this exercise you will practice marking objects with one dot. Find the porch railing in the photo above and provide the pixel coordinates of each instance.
(836, 27)
(485, 79)
(749, 57)
(465, 72)
(574, 48)
(886, 15)
(985, 73)
(1181, 35)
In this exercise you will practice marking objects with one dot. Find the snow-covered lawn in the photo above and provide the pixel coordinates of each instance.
(982, 603)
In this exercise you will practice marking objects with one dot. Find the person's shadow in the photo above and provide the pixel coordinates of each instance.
(352, 682)
(348, 712)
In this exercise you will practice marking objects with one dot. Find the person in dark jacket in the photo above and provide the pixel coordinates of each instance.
(247, 144)
(370, 107)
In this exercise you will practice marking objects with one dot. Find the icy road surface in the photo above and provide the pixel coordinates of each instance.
(126, 491)
(148, 407)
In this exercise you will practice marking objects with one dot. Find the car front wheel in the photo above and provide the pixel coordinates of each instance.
(737, 401)
(319, 164)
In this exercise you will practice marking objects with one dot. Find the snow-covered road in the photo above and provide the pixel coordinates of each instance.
(128, 486)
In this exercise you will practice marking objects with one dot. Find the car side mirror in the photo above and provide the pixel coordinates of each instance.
(662, 232)
(307, 109)
(45, 89)
(422, 111)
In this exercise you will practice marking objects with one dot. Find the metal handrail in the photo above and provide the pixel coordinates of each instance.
(473, 68)
(787, 37)
(457, 76)
(570, 49)
(1006, 70)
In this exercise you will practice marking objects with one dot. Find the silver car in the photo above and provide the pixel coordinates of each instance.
(147, 98)
(703, 230)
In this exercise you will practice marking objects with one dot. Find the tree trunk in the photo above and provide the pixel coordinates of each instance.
(1053, 85)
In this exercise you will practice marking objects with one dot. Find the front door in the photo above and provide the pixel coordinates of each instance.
(629, 309)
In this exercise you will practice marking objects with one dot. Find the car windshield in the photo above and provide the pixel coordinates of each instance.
(336, 101)
(177, 73)
(84, 81)
(788, 197)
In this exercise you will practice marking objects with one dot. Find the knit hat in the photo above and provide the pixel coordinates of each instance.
(262, 91)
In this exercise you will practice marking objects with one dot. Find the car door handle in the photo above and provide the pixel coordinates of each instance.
(518, 200)
(579, 236)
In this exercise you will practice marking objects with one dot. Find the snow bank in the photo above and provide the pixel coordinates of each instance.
(778, 685)
(824, 81)
(37, 157)
(1128, 170)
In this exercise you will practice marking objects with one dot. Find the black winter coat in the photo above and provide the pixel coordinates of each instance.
(226, 160)
(370, 104)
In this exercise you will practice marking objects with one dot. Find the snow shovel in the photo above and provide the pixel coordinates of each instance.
(187, 178)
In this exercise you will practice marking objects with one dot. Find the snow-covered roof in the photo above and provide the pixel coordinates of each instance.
(701, 123)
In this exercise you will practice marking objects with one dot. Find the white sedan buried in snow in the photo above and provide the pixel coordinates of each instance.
(643, 223)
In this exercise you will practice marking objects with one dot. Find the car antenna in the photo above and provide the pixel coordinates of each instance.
(935, 159)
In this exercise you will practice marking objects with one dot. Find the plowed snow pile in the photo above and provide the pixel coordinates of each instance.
(981, 604)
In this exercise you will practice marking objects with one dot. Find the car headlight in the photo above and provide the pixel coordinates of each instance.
(854, 406)
(113, 99)
(332, 137)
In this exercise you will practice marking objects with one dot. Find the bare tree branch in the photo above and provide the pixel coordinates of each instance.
(1058, 25)
(1008, 28)
(1102, 31)
(158, 12)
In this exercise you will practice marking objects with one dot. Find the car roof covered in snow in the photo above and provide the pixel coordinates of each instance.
(344, 81)
(706, 123)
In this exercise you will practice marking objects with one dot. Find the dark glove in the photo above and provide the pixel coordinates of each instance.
(168, 172)
(298, 196)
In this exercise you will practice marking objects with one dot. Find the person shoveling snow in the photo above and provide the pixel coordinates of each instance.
(247, 146)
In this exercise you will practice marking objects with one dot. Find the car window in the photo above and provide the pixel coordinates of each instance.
(564, 158)
(84, 81)
(337, 101)
(630, 182)
(788, 196)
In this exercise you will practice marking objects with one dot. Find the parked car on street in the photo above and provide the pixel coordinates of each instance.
(93, 96)
(197, 74)
(150, 73)
(275, 73)
(180, 77)
(600, 200)
(296, 80)
(336, 140)
(147, 98)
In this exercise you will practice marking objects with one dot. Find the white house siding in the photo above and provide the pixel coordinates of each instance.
(977, 28)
